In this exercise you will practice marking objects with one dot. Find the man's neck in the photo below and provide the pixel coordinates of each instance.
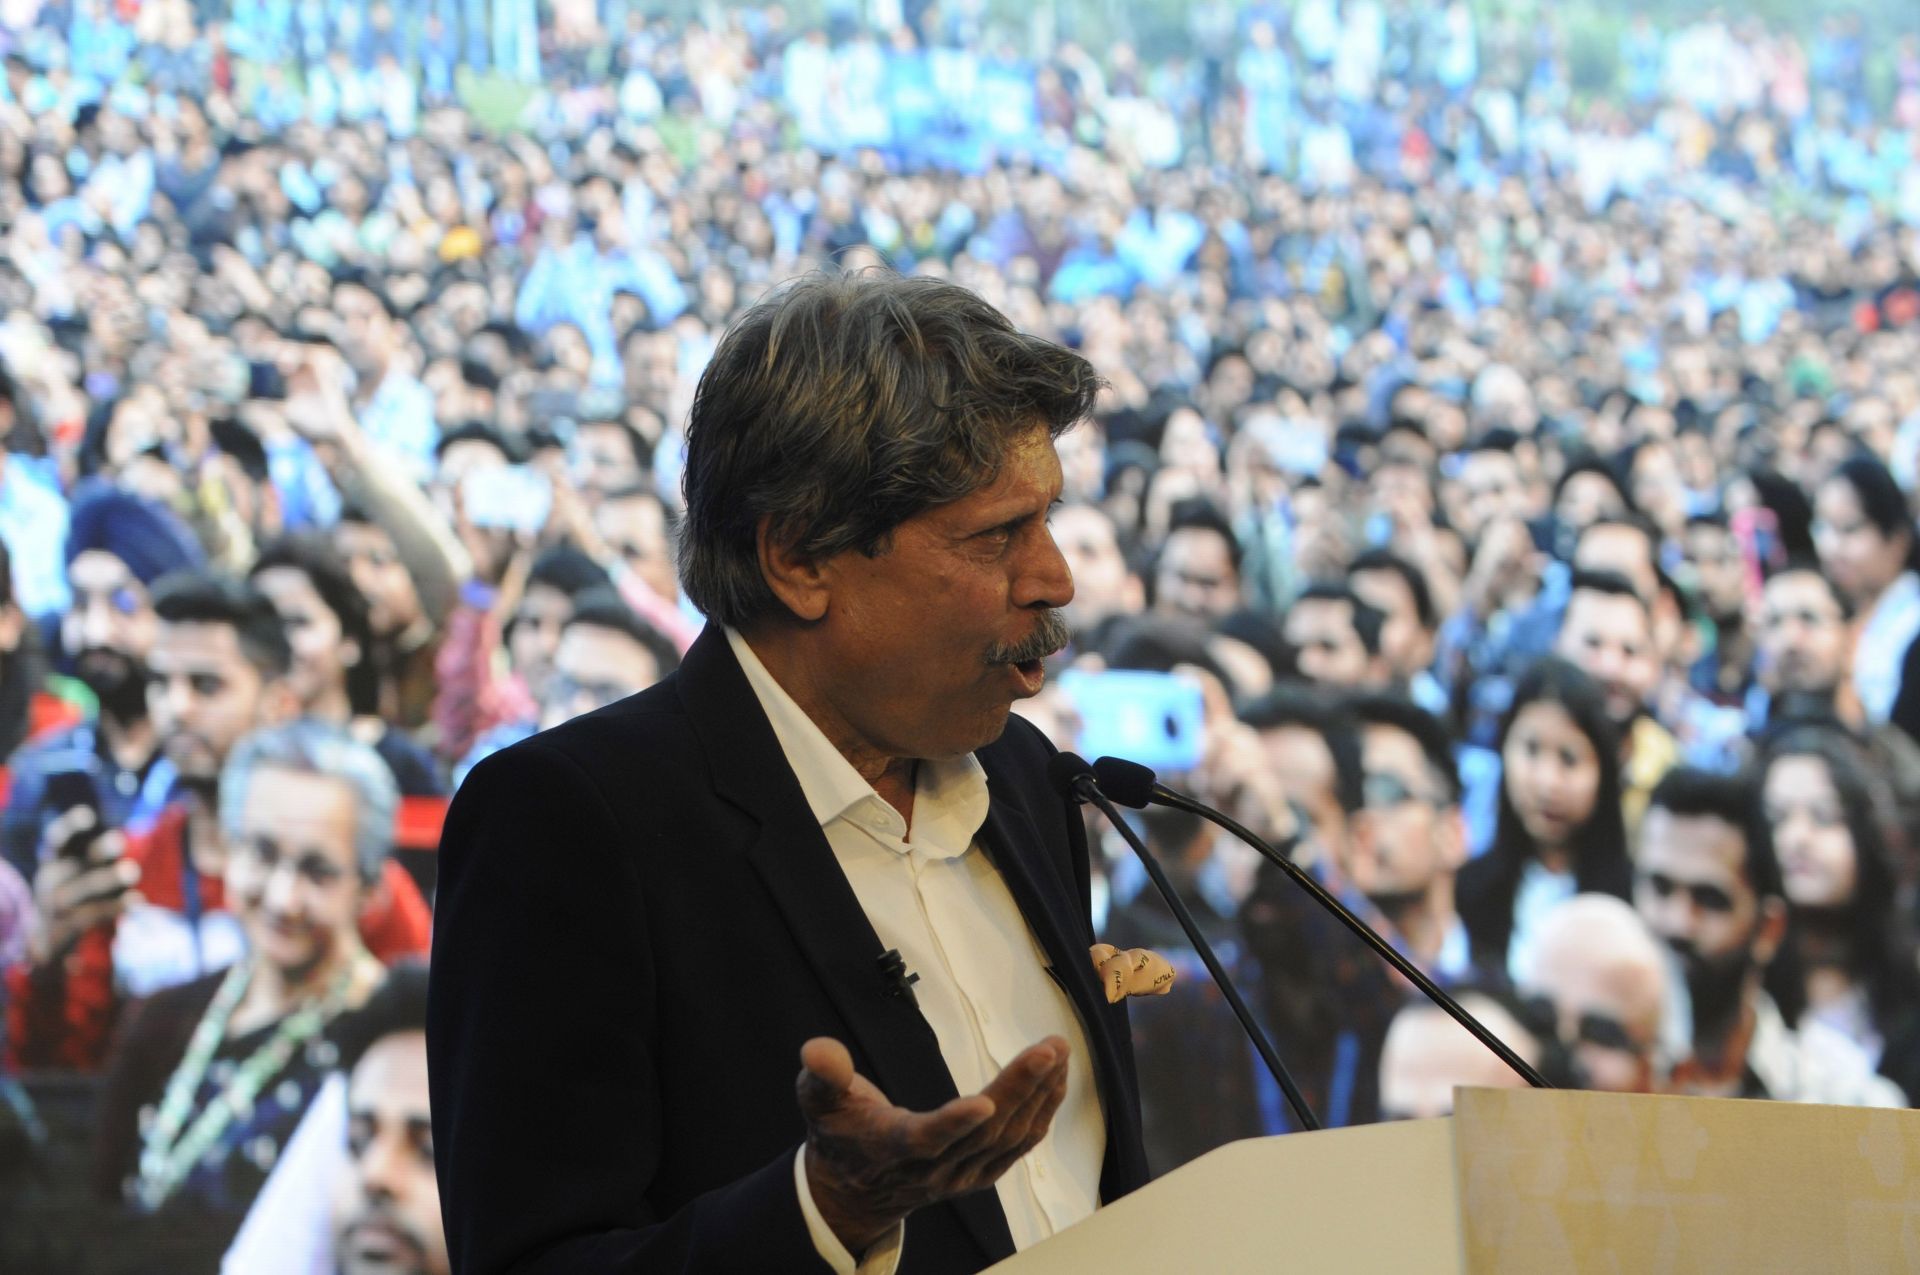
(371, 381)
(205, 846)
(130, 742)
(331, 705)
(1423, 926)
(891, 777)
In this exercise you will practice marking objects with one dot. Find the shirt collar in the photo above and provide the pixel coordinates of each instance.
(950, 794)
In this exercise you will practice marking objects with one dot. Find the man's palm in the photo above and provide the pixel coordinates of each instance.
(870, 1163)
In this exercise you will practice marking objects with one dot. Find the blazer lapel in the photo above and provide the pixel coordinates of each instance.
(1051, 913)
(892, 1043)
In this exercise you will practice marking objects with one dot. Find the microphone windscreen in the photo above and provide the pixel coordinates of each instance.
(1126, 782)
(1064, 770)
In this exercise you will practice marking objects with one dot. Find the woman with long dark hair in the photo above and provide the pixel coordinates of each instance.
(1836, 844)
(1869, 549)
(1559, 831)
(328, 626)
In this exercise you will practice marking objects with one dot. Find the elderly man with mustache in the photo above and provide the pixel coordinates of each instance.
(821, 842)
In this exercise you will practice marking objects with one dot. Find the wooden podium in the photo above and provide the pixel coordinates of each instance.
(1525, 1182)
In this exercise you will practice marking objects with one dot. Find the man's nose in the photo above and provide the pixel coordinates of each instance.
(278, 893)
(1046, 580)
(379, 1168)
(176, 698)
(95, 623)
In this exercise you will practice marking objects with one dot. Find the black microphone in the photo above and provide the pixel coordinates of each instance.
(893, 968)
(1131, 784)
(1070, 774)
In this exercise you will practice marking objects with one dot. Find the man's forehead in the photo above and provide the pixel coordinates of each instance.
(298, 805)
(1696, 848)
(1381, 583)
(1799, 589)
(193, 642)
(1606, 613)
(1391, 747)
(1321, 614)
(1308, 759)
(392, 1075)
(99, 569)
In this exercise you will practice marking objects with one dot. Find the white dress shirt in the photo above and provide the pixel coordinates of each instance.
(932, 894)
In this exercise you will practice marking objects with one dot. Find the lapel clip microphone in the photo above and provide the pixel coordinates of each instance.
(893, 967)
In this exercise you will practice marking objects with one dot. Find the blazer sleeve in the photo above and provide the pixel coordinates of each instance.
(546, 1102)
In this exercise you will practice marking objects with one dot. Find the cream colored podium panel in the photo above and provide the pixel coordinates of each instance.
(1584, 1182)
(1523, 1182)
(1379, 1198)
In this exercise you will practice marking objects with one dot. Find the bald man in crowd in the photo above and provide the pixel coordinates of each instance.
(1427, 1055)
(1605, 976)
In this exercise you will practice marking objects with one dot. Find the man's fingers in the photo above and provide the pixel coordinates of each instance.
(1026, 1072)
(1016, 1104)
(939, 1132)
(90, 914)
(826, 1073)
(63, 828)
(107, 848)
(1022, 1131)
(93, 884)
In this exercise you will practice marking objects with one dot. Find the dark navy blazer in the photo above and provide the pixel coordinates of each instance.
(639, 922)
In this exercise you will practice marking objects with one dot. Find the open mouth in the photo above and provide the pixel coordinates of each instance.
(1032, 675)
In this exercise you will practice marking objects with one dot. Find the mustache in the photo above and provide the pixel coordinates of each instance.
(1050, 637)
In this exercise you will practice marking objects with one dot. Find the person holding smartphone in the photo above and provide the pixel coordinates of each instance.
(118, 546)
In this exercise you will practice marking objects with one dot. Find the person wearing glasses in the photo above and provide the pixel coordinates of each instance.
(1407, 843)
(1708, 885)
(1559, 830)
(606, 653)
(1402, 854)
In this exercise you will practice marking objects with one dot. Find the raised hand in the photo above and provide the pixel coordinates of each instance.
(870, 1163)
(81, 882)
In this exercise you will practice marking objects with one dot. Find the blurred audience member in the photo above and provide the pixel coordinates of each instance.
(1607, 980)
(1559, 830)
(1831, 828)
(1708, 885)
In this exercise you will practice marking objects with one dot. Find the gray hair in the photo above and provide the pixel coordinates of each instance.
(845, 404)
(312, 747)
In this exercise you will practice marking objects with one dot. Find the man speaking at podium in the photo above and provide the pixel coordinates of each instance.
(783, 964)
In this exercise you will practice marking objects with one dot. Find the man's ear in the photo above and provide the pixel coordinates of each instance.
(803, 584)
(1770, 930)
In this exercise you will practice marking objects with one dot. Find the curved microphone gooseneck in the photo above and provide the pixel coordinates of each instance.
(1132, 784)
(1070, 774)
